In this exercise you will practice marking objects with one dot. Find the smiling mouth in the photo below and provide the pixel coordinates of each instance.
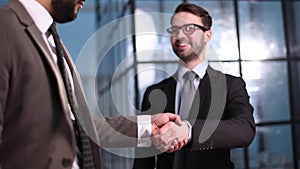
(181, 44)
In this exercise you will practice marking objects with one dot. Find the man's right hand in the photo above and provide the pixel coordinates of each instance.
(159, 120)
(169, 133)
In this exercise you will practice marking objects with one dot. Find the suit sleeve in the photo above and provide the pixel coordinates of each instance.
(116, 132)
(4, 76)
(145, 156)
(236, 127)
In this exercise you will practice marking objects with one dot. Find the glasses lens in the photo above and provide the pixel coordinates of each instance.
(188, 29)
(173, 31)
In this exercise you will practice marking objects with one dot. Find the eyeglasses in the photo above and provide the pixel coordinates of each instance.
(187, 29)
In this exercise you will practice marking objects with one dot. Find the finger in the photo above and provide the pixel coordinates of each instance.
(167, 137)
(171, 149)
(178, 121)
(183, 143)
(166, 134)
(185, 140)
(174, 147)
(174, 117)
(158, 140)
(180, 145)
(164, 148)
(159, 119)
(165, 128)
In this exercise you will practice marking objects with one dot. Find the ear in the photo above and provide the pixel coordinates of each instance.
(208, 35)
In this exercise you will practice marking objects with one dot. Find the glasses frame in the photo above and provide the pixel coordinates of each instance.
(169, 30)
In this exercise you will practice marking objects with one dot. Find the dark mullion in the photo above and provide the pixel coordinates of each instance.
(136, 80)
(272, 123)
(286, 25)
(236, 13)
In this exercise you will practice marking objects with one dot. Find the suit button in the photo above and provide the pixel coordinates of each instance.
(66, 162)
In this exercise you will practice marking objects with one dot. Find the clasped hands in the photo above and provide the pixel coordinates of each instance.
(169, 133)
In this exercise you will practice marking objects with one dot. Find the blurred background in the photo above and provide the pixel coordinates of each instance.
(258, 40)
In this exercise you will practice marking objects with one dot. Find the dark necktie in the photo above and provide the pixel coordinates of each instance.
(187, 94)
(82, 138)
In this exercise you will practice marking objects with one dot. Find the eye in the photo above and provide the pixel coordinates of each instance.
(189, 28)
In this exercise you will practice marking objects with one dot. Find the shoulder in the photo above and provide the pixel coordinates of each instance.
(10, 24)
(218, 74)
(218, 77)
(7, 15)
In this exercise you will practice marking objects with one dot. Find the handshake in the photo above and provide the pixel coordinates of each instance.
(169, 133)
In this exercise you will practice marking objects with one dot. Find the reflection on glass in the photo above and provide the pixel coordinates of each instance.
(272, 148)
(261, 37)
(165, 6)
(231, 68)
(298, 140)
(153, 36)
(267, 85)
(148, 74)
(237, 157)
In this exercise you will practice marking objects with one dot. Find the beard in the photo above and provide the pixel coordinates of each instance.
(194, 52)
(64, 10)
(187, 55)
(190, 54)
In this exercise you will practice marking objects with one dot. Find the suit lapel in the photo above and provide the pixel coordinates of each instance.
(37, 38)
(169, 89)
(202, 101)
(210, 101)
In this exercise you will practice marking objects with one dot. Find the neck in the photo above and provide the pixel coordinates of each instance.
(190, 64)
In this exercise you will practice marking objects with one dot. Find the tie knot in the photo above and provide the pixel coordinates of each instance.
(189, 75)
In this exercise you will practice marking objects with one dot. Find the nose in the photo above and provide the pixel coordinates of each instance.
(180, 34)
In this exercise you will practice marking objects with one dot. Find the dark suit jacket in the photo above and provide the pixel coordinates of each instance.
(222, 97)
(36, 131)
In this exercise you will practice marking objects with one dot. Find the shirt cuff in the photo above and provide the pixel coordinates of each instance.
(144, 130)
(190, 129)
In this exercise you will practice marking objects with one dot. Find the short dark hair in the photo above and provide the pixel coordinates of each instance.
(196, 10)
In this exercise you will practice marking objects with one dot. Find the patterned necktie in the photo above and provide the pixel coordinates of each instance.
(87, 157)
(187, 94)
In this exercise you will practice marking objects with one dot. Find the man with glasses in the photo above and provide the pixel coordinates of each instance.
(45, 121)
(215, 106)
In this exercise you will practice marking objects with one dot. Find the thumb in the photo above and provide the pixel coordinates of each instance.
(178, 121)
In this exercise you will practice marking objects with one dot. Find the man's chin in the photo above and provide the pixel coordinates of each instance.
(183, 56)
(66, 19)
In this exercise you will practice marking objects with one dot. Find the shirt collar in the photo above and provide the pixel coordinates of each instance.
(200, 69)
(39, 14)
